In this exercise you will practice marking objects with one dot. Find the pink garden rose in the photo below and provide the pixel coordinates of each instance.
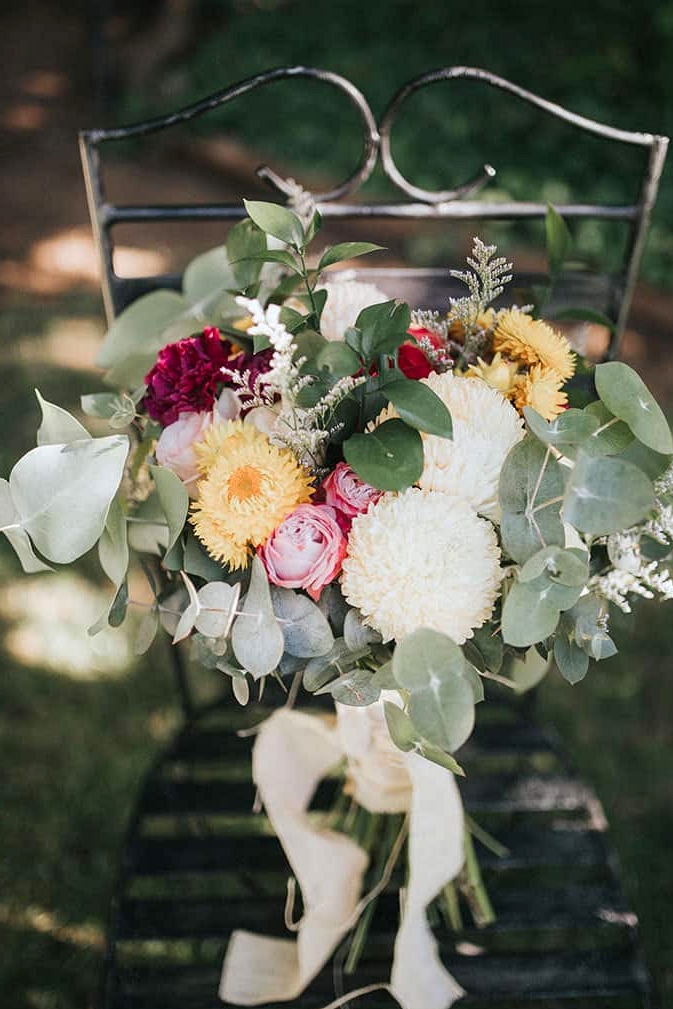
(175, 448)
(344, 490)
(306, 550)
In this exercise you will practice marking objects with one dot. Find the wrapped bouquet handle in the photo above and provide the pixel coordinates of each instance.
(292, 753)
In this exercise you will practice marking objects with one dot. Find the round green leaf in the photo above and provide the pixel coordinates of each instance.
(439, 679)
(529, 614)
(58, 427)
(256, 637)
(606, 494)
(174, 501)
(419, 407)
(529, 479)
(389, 458)
(567, 567)
(611, 436)
(627, 397)
(570, 428)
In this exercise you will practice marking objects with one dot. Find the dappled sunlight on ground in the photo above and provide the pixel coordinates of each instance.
(68, 259)
(47, 617)
(39, 919)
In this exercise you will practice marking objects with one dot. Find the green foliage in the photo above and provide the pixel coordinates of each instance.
(61, 494)
(174, 501)
(379, 330)
(306, 632)
(346, 250)
(627, 397)
(245, 241)
(559, 241)
(419, 407)
(277, 221)
(58, 426)
(390, 457)
(606, 494)
(256, 637)
(531, 491)
(443, 687)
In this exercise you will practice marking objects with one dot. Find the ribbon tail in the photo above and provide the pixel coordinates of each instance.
(419, 980)
(292, 753)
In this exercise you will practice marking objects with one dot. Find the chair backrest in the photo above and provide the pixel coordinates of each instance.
(611, 294)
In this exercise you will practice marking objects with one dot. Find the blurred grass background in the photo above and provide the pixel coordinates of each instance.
(80, 720)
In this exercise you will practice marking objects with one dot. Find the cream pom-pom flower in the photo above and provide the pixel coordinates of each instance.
(405, 543)
(345, 301)
(485, 428)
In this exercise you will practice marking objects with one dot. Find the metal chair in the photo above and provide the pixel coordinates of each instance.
(196, 861)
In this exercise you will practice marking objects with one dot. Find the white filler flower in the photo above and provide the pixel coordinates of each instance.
(485, 428)
(345, 301)
(422, 559)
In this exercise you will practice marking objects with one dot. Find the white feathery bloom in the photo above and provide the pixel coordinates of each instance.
(345, 301)
(422, 559)
(485, 427)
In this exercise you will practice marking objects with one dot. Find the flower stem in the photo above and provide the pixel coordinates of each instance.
(472, 886)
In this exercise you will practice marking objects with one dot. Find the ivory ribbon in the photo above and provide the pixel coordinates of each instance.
(292, 753)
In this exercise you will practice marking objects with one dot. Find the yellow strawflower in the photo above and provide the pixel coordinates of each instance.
(541, 389)
(249, 488)
(530, 341)
(499, 374)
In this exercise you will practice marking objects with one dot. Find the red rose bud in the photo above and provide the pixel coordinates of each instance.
(186, 376)
(411, 360)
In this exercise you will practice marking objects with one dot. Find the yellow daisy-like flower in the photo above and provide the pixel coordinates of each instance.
(541, 389)
(531, 341)
(499, 374)
(250, 487)
(207, 451)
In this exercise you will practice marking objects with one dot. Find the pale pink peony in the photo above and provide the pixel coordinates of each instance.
(344, 490)
(306, 550)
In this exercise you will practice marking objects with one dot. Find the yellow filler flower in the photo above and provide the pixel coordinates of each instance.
(531, 341)
(250, 486)
(541, 389)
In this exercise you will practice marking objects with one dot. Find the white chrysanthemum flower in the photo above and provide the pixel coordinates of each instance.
(345, 301)
(485, 428)
(422, 559)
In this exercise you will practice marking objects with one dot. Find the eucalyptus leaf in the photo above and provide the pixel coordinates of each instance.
(402, 730)
(530, 613)
(147, 632)
(117, 612)
(174, 501)
(419, 407)
(571, 660)
(389, 458)
(489, 645)
(356, 689)
(357, 634)
(434, 670)
(113, 546)
(628, 398)
(240, 689)
(611, 436)
(653, 464)
(567, 567)
(277, 221)
(190, 613)
(62, 493)
(58, 427)
(527, 671)
(565, 432)
(137, 335)
(606, 494)
(256, 638)
(147, 529)
(346, 250)
(384, 678)
(18, 537)
(438, 756)
(323, 668)
(306, 632)
(531, 489)
(208, 275)
(217, 608)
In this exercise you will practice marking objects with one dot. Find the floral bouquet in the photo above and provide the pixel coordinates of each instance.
(386, 506)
